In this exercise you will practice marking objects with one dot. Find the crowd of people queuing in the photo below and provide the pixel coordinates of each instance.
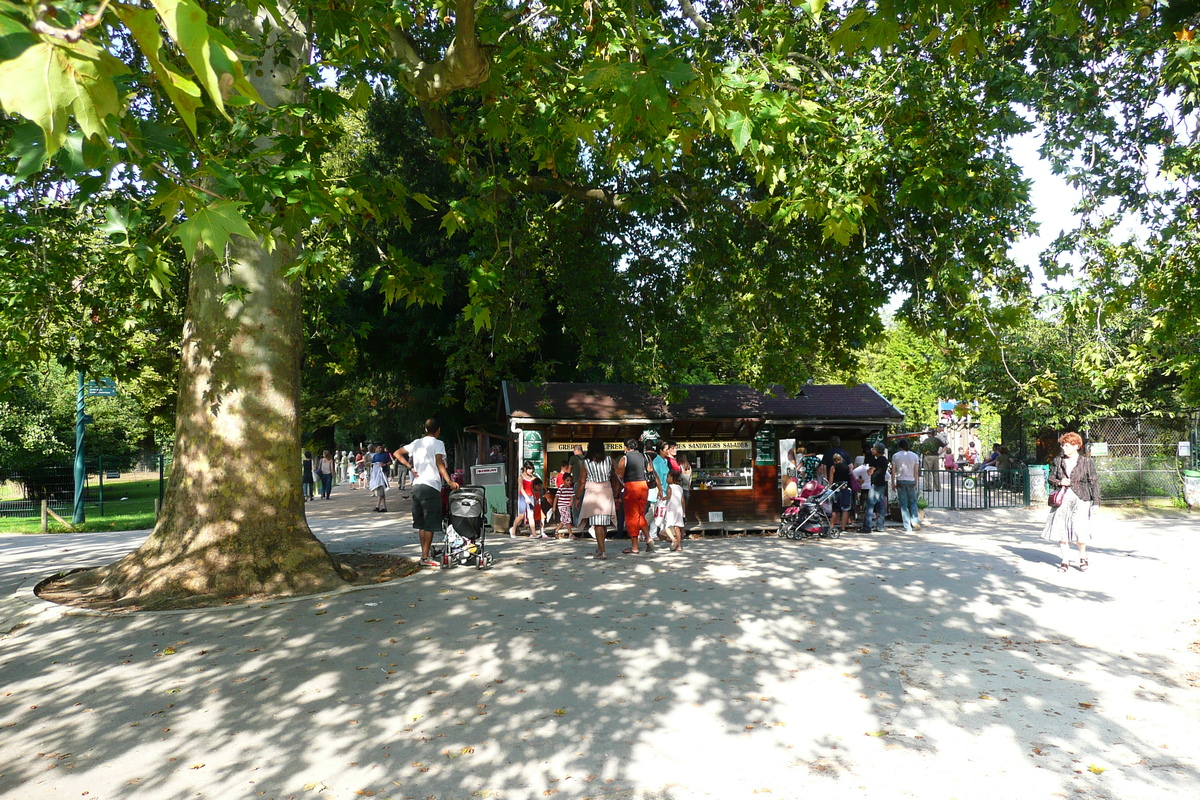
(645, 488)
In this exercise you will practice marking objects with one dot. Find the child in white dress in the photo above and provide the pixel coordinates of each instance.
(674, 520)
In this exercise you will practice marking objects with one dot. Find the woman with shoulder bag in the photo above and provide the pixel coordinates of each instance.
(634, 473)
(1076, 491)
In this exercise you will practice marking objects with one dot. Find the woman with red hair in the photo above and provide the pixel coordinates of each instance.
(1070, 522)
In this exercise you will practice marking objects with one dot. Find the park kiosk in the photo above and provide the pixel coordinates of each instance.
(740, 441)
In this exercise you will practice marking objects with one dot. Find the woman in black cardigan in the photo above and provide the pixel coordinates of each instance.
(1071, 522)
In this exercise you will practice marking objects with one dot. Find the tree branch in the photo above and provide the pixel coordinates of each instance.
(595, 194)
(691, 13)
(44, 11)
(464, 65)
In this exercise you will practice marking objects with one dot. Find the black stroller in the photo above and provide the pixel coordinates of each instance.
(464, 530)
(806, 517)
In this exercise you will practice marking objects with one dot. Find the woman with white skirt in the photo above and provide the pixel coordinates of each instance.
(1070, 522)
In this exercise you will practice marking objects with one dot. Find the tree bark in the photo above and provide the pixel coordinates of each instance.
(232, 522)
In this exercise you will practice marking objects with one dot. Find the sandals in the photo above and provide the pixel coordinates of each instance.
(1063, 567)
(1083, 565)
(599, 556)
(629, 551)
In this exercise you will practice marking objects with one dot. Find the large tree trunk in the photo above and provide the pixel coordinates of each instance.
(233, 522)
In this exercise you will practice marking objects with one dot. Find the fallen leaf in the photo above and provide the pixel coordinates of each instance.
(1085, 705)
(560, 711)
(1095, 770)
(877, 733)
(169, 651)
(197, 766)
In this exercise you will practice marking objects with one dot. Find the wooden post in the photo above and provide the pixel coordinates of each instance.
(157, 508)
(45, 516)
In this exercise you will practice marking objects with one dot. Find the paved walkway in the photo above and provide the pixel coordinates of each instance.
(952, 662)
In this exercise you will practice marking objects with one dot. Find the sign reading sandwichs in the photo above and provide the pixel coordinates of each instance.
(687, 447)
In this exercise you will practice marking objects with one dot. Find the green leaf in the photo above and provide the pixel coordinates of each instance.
(27, 146)
(15, 38)
(213, 225)
(209, 52)
(184, 93)
(740, 128)
(49, 80)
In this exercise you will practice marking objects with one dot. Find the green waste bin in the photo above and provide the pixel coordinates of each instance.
(1191, 487)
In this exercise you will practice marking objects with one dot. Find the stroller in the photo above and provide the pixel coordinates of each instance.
(807, 516)
(464, 530)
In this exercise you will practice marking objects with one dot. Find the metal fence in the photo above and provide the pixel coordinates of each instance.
(1137, 458)
(107, 491)
(959, 490)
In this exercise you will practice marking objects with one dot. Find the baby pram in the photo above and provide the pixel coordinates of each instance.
(464, 527)
(807, 516)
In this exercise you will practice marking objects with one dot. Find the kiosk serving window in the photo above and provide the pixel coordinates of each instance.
(720, 465)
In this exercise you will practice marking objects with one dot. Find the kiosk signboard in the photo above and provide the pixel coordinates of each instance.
(764, 447)
(532, 450)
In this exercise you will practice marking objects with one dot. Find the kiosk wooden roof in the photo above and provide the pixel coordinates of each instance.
(579, 411)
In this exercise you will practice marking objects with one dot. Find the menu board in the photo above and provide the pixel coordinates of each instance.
(531, 450)
(764, 447)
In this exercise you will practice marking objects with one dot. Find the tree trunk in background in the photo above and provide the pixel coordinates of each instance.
(233, 522)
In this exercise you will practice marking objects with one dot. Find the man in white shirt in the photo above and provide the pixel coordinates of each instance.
(906, 471)
(425, 460)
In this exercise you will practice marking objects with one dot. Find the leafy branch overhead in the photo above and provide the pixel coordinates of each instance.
(871, 138)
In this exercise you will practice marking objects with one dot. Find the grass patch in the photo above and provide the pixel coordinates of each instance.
(128, 506)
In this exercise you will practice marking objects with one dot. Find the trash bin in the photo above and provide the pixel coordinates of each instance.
(1039, 479)
(1191, 487)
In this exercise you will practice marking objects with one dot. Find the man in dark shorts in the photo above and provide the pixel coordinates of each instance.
(425, 458)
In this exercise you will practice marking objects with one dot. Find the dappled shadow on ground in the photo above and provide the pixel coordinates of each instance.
(868, 666)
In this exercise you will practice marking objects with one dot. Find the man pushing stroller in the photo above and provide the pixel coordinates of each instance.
(425, 460)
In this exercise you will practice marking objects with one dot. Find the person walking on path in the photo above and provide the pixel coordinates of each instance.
(306, 476)
(1071, 521)
(325, 474)
(596, 498)
(379, 483)
(525, 502)
(906, 472)
(631, 471)
(425, 459)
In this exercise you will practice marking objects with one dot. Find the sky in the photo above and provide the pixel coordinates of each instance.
(1053, 200)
